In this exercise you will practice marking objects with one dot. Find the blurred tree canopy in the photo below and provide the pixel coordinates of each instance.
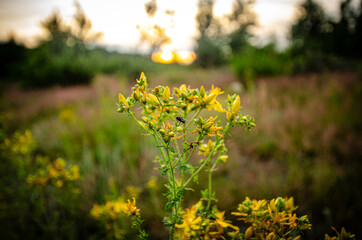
(317, 32)
(60, 59)
(221, 37)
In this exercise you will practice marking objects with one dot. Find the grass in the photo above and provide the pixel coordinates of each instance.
(306, 143)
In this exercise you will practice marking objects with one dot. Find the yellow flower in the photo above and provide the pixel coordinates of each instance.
(59, 164)
(59, 183)
(221, 223)
(210, 100)
(132, 209)
(96, 211)
(191, 221)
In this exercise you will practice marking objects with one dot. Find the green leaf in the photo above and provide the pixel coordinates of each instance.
(164, 171)
(169, 205)
(182, 167)
(171, 149)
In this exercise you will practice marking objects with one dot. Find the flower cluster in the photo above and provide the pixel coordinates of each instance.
(56, 173)
(20, 144)
(198, 225)
(272, 219)
(110, 210)
(171, 117)
(111, 214)
(343, 235)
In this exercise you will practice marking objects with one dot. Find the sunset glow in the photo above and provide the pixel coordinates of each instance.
(167, 55)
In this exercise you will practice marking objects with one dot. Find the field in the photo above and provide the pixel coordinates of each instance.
(306, 144)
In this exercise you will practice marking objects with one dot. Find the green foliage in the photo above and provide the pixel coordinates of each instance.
(254, 62)
(321, 42)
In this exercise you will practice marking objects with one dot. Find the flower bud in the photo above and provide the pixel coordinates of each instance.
(179, 129)
(231, 116)
(136, 96)
(142, 76)
(166, 94)
(201, 121)
(210, 98)
(202, 91)
(236, 105)
(207, 126)
(224, 158)
(122, 100)
(171, 134)
(183, 88)
(248, 233)
(145, 120)
(176, 91)
(152, 98)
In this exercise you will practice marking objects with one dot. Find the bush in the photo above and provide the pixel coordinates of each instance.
(255, 62)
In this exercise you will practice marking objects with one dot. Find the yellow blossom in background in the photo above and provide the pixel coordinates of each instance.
(66, 116)
(55, 173)
(133, 191)
(152, 183)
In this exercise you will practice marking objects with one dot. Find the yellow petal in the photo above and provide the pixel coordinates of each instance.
(210, 98)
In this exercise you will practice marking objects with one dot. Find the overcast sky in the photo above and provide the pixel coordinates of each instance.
(118, 19)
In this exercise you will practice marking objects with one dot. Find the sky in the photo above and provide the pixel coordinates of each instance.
(118, 19)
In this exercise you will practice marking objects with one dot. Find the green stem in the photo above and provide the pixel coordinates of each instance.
(211, 169)
(203, 164)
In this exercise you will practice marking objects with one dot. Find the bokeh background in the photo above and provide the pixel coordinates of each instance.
(296, 64)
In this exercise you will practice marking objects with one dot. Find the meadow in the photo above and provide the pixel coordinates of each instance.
(306, 145)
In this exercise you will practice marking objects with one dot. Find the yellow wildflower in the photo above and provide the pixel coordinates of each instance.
(191, 221)
(132, 209)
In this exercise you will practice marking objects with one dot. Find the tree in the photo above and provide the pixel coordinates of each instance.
(209, 44)
(241, 19)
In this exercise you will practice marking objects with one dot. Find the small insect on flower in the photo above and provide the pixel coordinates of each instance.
(181, 119)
